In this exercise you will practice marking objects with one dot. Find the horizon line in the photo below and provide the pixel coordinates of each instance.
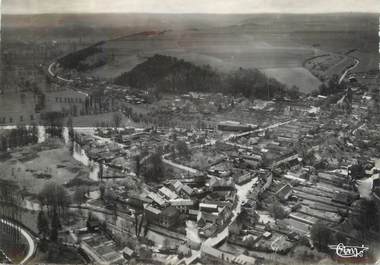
(195, 13)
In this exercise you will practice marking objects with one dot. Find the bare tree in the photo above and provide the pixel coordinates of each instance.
(117, 119)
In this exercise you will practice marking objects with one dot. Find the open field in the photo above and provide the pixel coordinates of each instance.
(224, 50)
(231, 41)
(298, 76)
(33, 166)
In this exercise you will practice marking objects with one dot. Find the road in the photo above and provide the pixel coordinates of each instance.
(226, 140)
(32, 245)
(242, 192)
(274, 246)
(348, 70)
(50, 71)
(178, 166)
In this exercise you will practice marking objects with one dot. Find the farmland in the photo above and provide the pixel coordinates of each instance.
(297, 76)
(277, 45)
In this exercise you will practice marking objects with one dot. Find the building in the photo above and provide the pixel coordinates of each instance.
(227, 258)
(285, 192)
(169, 217)
(235, 126)
(166, 218)
(182, 189)
(183, 205)
(157, 199)
(128, 253)
(166, 192)
(208, 207)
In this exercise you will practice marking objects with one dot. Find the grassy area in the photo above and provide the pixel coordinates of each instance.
(59, 254)
(33, 166)
(297, 76)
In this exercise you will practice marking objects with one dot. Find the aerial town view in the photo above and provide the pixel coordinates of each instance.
(153, 132)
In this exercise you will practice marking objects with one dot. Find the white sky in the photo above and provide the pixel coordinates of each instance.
(189, 6)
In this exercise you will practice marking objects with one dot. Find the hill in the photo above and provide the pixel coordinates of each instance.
(172, 75)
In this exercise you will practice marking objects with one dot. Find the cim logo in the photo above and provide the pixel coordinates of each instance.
(351, 254)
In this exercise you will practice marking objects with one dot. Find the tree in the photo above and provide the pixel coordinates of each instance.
(368, 218)
(138, 165)
(154, 168)
(53, 118)
(54, 197)
(117, 119)
(183, 149)
(278, 211)
(70, 128)
(102, 189)
(321, 235)
(55, 226)
(42, 224)
(357, 171)
(79, 195)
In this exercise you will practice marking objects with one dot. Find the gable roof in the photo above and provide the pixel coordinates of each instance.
(168, 192)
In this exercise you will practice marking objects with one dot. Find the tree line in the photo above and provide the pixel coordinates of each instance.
(77, 59)
(20, 136)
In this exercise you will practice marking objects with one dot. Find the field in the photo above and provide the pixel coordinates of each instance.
(33, 166)
(223, 49)
(299, 77)
(278, 45)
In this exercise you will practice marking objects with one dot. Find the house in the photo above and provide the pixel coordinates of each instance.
(182, 189)
(285, 192)
(177, 185)
(205, 218)
(193, 214)
(166, 218)
(221, 184)
(343, 198)
(128, 253)
(169, 217)
(183, 205)
(187, 190)
(152, 214)
(157, 198)
(208, 207)
(244, 178)
(93, 224)
(376, 186)
(218, 218)
(227, 257)
(138, 200)
(267, 234)
(164, 191)
(235, 126)
(285, 159)
(208, 230)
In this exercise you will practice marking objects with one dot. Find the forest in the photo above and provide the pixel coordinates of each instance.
(166, 74)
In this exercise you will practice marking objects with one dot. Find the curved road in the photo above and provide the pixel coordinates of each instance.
(50, 70)
(348, 70)
(27, 236)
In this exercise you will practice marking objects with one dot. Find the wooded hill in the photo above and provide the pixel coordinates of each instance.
(171, 75)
